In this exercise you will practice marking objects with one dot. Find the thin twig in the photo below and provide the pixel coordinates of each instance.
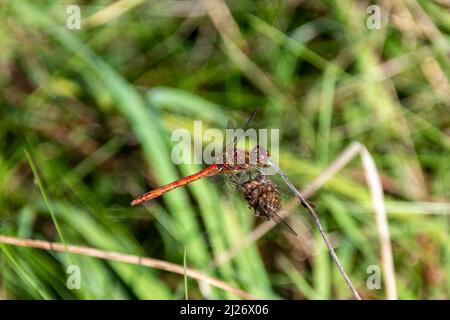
(126, 258)
(316, 219)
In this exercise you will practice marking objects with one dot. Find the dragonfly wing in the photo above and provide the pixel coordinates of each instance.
(236, 139)
(251, 118)
(230, 124)
(235, 180)
(280, 221)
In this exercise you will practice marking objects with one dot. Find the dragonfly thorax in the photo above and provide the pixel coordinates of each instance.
(241, 160)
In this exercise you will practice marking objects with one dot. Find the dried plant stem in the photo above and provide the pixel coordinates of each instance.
(376, 189)
(126, 258)
(316, 219)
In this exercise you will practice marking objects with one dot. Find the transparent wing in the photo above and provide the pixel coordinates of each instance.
(236, 139)
(281, 222)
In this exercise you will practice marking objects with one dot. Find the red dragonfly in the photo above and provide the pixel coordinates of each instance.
(257, 189)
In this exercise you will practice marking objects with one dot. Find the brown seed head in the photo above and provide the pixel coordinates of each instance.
(262, 196)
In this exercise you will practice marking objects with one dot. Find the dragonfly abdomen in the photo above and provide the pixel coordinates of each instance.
(207, 172)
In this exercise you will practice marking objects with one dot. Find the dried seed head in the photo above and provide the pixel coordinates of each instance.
(263, 196)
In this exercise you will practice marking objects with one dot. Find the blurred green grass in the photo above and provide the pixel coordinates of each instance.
(95, 108)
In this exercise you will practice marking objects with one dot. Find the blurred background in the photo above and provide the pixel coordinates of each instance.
(85, 124)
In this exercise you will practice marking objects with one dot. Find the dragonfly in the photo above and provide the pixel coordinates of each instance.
(260, 192)
(244, 171)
